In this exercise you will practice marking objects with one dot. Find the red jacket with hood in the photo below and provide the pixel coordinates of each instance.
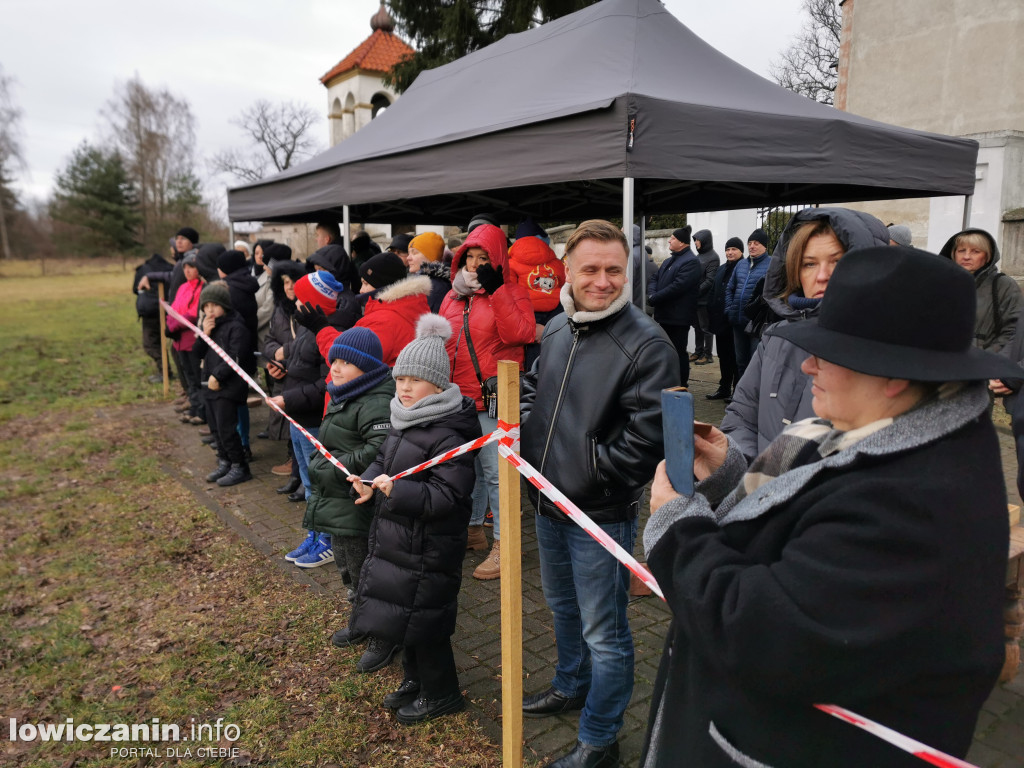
(538, 270)
(499, 324)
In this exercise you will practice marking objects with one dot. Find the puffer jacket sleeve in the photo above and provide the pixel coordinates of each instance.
(513, 315)
(732, 290)
(373, 422)
(631, 456)
(740, 422)
(325, 340)
(446, 488)
(1010, 301)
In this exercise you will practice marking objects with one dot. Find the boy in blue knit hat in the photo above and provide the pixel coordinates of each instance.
(357, 420)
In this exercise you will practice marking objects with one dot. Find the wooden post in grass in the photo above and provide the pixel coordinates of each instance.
(163, 340)
(511, 580)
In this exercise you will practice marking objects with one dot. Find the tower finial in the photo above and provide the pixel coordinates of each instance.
(382, 19)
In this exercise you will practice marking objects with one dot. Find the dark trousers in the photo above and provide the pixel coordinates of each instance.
(678, 334)
(726, 360)
(151, 339)
(190, 372)
(222, 416)
(349, 553)
(702, 336)
(433, 664)
(746, 345)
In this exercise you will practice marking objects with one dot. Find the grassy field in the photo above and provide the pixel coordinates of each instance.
(123, 600)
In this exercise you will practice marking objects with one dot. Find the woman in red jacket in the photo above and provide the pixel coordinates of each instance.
(490, 310)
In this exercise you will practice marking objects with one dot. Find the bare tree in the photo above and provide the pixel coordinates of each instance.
(11, 156)
(155, 132)
(278, 138)
(810, 65)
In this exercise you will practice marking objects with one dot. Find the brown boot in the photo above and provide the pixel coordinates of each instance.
(282, 469)
(490, 568)
(476, 541)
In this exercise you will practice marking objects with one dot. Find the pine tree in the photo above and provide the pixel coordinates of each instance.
(96, 204)
(449, 29)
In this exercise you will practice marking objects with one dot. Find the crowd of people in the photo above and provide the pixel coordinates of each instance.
(819, 481)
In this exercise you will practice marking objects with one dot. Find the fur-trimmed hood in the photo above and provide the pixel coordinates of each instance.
(414, 285)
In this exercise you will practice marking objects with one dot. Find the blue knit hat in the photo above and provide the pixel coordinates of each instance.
(359, 346)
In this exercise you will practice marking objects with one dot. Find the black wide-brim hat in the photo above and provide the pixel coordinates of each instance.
(900, 313)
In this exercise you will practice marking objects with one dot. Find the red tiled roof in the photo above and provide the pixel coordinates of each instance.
(378, 53)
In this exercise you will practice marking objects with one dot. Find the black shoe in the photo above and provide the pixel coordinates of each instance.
(207, 439)
(299, 494)
(406, 694)
(238, 473)
(378, 654)
(291, 486)
(586, 756)
(247, 452)
(718, 394)
(551, 702)
(422, 710)
(223, 467)
(263, 435)
(346, 638)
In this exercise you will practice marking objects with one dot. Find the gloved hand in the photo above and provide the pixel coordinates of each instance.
(312, 317)
(490, 279)
(650, 301)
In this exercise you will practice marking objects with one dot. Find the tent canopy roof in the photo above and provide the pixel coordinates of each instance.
(545, 123)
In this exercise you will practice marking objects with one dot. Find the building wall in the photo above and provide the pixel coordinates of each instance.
(349, 102)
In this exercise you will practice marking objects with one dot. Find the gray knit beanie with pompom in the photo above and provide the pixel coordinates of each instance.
(425, 357)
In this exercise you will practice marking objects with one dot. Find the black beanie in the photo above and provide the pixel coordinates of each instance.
(758, 235)
(682, 235)
(735, 242)
(231, 261)
(276, 252)
(188, 232)
(383, 270)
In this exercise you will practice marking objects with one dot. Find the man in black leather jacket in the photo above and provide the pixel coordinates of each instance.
(591, 424)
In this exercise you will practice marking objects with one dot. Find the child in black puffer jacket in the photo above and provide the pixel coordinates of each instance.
(409, 585)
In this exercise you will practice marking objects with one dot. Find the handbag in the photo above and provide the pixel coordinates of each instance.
(488, 387)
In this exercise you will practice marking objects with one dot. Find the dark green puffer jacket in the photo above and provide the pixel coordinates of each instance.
(353, 431)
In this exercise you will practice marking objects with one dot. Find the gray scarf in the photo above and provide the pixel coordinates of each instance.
(430, 408)
(465, 283)
(582, 316)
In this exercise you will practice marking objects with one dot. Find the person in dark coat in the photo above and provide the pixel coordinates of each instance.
(720, 324)
(233, 269)
(333, 258)
(739, 290)
(641, 268)
(673, 292)
(363, 249)
(225, 390)
(409, 586)
(703, 338)
(772, 392)
(147, 307)
(859, 561)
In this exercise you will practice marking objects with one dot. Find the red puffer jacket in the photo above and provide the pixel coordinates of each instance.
(538, 270)
(499, 324)
(391, 314)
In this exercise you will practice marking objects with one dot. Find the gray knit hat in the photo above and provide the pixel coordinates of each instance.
(425, 357)
(216, 292)
(900, 234)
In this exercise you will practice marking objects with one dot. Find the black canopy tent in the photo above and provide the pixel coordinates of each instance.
(550, 122)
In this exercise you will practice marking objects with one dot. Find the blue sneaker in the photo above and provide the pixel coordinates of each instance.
(302, 549)
(319, 554)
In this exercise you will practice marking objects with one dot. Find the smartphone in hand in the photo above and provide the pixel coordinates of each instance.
(678, 425)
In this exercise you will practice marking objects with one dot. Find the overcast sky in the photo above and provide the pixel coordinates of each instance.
(222, 55)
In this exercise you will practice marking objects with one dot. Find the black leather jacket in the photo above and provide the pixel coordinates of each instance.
(591, 411)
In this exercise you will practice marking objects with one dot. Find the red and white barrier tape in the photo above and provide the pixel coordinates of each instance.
(907, 744)
(507, 436)
(256, 387)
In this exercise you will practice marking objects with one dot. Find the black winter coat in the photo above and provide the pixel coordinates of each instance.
(231, 335)
(674, 289)
(409, 583)
(440, 284)
(242, 286)
(876, 586)
(716, 305)
(334, 258)
(591, 410)
(709, 263)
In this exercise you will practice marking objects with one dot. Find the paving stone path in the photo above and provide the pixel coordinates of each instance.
(272, 526)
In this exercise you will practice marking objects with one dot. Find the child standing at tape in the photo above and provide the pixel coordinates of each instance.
(223, 388)
(353, 429)
(409, 587)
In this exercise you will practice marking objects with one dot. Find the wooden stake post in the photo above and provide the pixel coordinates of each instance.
(511, 580)
(163, 340)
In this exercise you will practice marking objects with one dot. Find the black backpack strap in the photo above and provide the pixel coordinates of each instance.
(469, 344)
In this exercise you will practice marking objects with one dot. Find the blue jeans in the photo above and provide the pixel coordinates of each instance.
(587, 591)
(485, 491)
(243, 423)
(303, 450)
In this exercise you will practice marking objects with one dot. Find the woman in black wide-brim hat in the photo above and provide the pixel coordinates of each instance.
(859, 561)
